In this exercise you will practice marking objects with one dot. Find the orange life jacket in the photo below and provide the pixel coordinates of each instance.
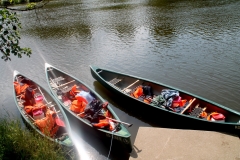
(47, 124)
(203, 114)
(20, 88)
(106, 122)
(138, 92)
(148, 101)
(102, 123)
(74, 90)
(216, 116)
(78, 105)
(30, 109)
(182, 103)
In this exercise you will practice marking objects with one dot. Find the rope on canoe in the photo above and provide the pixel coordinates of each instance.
(111, 142)
(110, 146)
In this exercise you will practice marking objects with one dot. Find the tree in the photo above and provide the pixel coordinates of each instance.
(9, 36)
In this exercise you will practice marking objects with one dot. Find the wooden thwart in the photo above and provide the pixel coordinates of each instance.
(130, 85)
(65, 84)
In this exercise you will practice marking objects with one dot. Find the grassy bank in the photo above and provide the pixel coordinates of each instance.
(17, 143)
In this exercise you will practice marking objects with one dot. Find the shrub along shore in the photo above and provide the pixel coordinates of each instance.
(18, 143)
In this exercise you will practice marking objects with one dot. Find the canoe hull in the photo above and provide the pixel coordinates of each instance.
(125, 142)
(29, 122)
(162, 117)
(122, 136)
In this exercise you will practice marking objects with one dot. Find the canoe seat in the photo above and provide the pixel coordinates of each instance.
(115, 81)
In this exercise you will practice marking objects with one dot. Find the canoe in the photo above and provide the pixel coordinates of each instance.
(167, 105)
(62, 82)
(39, 107)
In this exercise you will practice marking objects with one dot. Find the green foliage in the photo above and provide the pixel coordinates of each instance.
(17, 143)
(12, 2)
(9, 36)
(31, 6)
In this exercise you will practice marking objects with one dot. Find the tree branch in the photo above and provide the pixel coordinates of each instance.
(26, 9)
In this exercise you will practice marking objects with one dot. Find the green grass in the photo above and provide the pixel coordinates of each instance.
(18, 143)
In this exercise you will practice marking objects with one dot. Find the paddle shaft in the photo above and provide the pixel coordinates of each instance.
(129, 125)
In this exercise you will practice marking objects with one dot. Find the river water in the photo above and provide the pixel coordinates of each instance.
(189, 44)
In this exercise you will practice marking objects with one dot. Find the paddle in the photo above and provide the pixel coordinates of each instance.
(57, 119)
(129, 125)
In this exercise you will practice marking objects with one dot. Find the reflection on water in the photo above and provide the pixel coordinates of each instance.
(192, 45)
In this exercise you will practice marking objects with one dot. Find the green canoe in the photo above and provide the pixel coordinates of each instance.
(61, 124)
(190, 111)
(63, 82)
